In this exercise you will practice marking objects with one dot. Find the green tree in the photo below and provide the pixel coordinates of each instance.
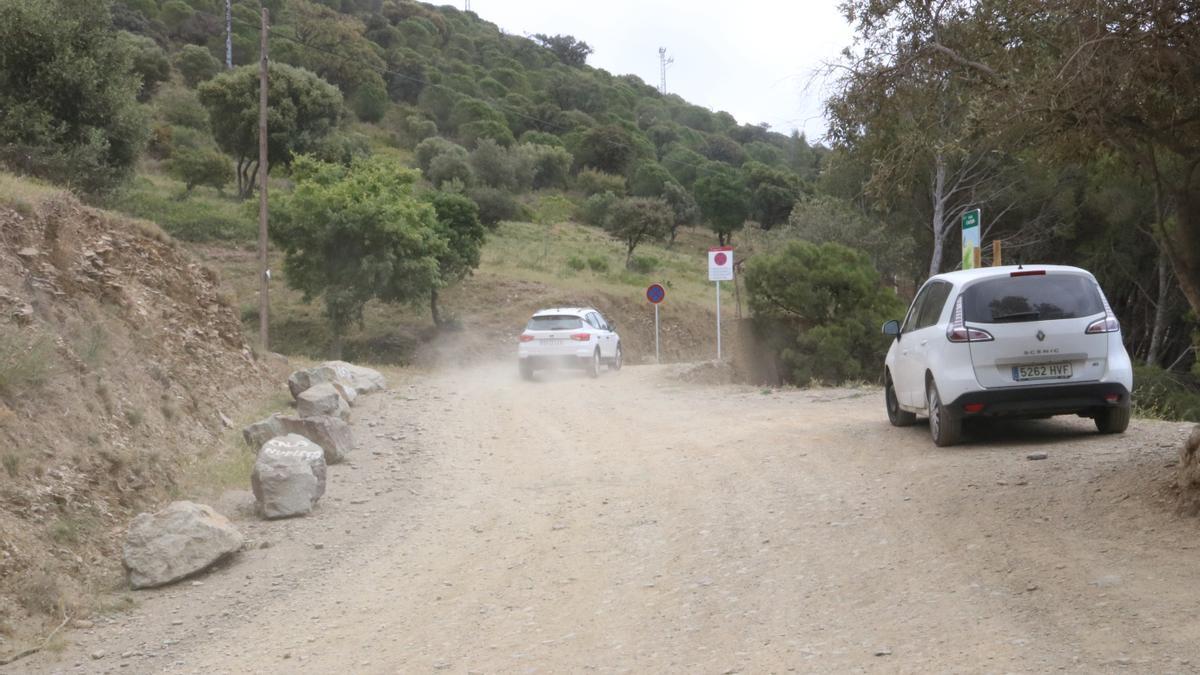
(459, 224)
(201, 166)
(649, 179)
(683, 206)
(149, 62)
(355, 234)
(819, 308)
(196, 64)
(302, 109)
(607, 148)
(723, 199)
(67, 94)
(773, 193)
(568, 50)
(634, 220)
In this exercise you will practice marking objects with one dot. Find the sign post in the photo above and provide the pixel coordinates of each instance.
(655, 293)
(720, 268)
(971, 241)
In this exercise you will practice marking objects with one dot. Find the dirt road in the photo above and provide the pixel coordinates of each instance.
(633, 524)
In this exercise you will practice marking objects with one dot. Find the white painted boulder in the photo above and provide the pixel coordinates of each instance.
(288, 477)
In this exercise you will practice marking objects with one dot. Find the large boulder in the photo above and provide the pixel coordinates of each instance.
(288, 477)
(364, 380)
(176, 542)
(331, 433)
(301, 380)
(322, 399)
(1188, 478)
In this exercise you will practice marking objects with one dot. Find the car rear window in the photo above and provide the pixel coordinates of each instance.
(1031, 298)
(551, 322)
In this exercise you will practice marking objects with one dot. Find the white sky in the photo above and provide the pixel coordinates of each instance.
(752, 58)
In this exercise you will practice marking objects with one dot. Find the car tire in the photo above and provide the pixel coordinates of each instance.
(1112, 420)
(897, 416)
(944, 426)
(593, 368)
(526, 369)
(617, 359)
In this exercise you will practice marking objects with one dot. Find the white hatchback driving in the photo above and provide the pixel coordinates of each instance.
(576, 337)
(1026, 341)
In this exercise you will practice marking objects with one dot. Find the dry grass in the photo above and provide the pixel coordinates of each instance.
(26, 360)
(24, 194)
(228, 465)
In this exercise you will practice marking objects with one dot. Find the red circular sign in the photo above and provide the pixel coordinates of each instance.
(655, 293)
(720, 258)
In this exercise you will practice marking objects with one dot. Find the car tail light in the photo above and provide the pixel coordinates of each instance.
(1109, 323)
(1112, 398)
(526, 338)
(581, 337)
(973, 408)
(1027, 273)
(958, 331)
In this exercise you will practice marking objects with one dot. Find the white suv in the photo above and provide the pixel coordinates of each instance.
(569, 336)
(1027, 341)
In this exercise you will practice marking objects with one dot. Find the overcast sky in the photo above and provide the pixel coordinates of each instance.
(752, 58)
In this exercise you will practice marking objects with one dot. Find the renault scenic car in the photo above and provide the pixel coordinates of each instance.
(1026, 341)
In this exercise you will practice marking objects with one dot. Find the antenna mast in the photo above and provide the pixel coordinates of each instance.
(663, 62)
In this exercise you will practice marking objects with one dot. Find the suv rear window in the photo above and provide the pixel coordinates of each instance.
(1031, 298)
(550, 322)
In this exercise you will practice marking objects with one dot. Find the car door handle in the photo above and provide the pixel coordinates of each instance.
(924, 342)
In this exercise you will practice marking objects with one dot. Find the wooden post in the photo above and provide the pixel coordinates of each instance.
(264, 275)
(996, 261)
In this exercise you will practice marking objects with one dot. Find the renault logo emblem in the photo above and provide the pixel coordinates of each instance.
(1041, 336)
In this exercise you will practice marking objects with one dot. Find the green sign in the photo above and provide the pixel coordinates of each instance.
(971, 242)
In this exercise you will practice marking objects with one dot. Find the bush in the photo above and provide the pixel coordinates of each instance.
(819, 308)
(541, 138)
(417, 129)
(495, 205)
(493, 165)
(576, 264)
(643, 264)
(430, 148)
(473, 133)
(550, 165)
(181, 107)
(450, 167)
(1167, 395)
(25, 361)
(370, 101)
(149, 62)
(196, 64)
(596, 208)
(591, 181)
(342, 147)
(597, 264)
(205, 166)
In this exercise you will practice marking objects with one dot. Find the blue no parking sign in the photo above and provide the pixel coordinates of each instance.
(655, 293)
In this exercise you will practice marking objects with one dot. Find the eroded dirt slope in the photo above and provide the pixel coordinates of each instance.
(635, 524)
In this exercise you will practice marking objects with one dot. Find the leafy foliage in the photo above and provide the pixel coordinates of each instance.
(196, 64)
(201, 166)
(819, 307)
(637, 219)
(568, 50)
(723, 200)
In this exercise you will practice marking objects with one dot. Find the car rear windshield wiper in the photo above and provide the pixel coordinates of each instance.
(1017, 316)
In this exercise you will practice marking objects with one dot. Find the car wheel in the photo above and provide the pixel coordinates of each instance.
(594, 367)
(1113, 420)
(898, 417)
(617, 359)
(526, 368)
(944, 425)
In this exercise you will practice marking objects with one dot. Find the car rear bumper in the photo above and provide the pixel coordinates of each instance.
(555, 360)
(1059, 399)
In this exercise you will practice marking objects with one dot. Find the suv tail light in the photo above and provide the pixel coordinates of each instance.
(1109, 323)
(958, 331)
(525, 337)
(581, 337)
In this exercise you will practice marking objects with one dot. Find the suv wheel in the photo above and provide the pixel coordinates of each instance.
(944, 425)
(617, 359)
(898, 417)
(1113, 420)
(593, 368)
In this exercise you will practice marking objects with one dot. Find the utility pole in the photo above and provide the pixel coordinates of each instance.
(663, 62)
(228, 34)
(264, 274)
(466, 5)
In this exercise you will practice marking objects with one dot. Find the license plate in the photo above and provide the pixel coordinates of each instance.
(1042, 371)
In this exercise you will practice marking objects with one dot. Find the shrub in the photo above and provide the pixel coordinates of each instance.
(596, 208)
(495, 205)
(417, 129)
(24, 361)
(493, 165)
(819, 308)
(196, 64)
(473, 133)
(643, 264)
(149, 62)
(370, 101)
(430, 148)
(576, 264)
(549, 165)
(450, 167)
(342, 147)
(597, 264)
(181, 107)
(205, 166)
(591, 181)
(541, 138)
(1167, 395)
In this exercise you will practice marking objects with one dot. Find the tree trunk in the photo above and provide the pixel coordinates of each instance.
(1161, 319)
(939, 213)
(1183, 246)
(433, 308)
(337, 344)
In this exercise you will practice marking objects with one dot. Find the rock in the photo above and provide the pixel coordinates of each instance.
(82, 624)
(322, 399)
(288, 477)
(364, 380)
(99, 654)
(176, 542)
(349, 393)
(260, 432)
(331, 433)
(225, 421)
(883, 651)
(237, 503)
(28, 252)
(301, 380)
(1036, 455)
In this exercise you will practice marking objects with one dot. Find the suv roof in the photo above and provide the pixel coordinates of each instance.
(960, 277)
(569, 311)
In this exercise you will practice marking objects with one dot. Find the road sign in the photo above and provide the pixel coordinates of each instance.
(720, 263)
(655, 293)
(971, 241)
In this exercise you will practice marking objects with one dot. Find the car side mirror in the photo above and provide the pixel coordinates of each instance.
(892, 329)
(612, 326)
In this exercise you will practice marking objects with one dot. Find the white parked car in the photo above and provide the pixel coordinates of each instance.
(577, 337)
(1026, 341)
